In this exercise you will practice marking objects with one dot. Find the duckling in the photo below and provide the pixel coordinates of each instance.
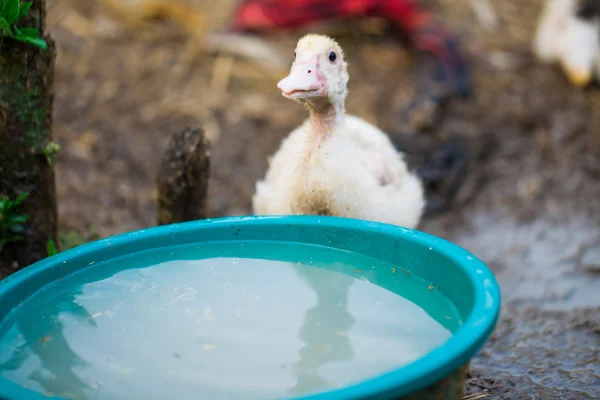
(335, 164)
(568, 33)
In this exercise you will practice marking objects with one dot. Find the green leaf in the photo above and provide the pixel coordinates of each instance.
(51, 248)
(20, 198)
(39, 42)
(5, 27)
(3, 4)
(4, 204)
(33, 32)
(25, 8)
(11, 10)
(17, 228)
(19, 219)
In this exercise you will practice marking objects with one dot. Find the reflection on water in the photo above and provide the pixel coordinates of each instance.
(169, 325)
(57, 361)
(324, 329)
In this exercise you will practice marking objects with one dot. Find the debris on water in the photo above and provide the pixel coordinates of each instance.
(393, 270)
(358, 270)
(126, 371)
(431, 287)
(207, 314)
(177, 355)
(341, 333)
(405, 271)
(96, 315)
(210, 346)
(46, 339)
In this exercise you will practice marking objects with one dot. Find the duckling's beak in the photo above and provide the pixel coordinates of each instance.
(579, 77)
(579, 56)
(580, 49)
(305, 80)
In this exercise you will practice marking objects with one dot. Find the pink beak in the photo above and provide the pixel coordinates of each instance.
(305, 80)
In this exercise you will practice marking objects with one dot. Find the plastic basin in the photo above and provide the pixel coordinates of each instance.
(458, 274)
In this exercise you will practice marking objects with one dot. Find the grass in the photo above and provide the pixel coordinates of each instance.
(69, 239)
(11, 220)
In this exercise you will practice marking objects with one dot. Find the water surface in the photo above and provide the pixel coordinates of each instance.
(227, 321)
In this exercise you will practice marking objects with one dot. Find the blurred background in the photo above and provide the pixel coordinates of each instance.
(529, 205)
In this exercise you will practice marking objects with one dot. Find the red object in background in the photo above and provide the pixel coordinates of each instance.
(424, 33)
(262, 15)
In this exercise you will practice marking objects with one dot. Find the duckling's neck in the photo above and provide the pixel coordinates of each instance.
(324, 116)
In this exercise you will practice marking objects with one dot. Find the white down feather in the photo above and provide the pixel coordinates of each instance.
(341, 176)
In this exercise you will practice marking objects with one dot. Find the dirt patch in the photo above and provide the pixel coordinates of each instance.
(541, 355)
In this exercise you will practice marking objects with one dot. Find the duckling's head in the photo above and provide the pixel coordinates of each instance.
(319, 73)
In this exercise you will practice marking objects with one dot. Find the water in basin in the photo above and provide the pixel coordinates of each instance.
(222, 321)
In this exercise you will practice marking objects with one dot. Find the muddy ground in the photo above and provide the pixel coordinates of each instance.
(530, 207)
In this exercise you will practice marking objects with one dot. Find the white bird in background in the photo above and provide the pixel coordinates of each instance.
(569, 33)
(335, 164)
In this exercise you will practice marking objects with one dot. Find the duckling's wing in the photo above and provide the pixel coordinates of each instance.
(398, 199)
(377, 146)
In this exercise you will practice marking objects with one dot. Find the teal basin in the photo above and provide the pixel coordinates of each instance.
(461, 293)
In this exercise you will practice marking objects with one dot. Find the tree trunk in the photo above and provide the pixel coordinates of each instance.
(183, 178)
(26, 97)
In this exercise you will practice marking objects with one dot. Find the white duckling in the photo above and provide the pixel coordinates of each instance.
(335, 164)
(569, 33)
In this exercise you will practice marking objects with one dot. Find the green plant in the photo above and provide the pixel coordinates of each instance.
(11, 222)
(70, 239)
(50, 151)
(51, 248)
(11, 11)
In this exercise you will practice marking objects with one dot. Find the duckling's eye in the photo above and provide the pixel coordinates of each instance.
(332, 56)
(294, 55)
